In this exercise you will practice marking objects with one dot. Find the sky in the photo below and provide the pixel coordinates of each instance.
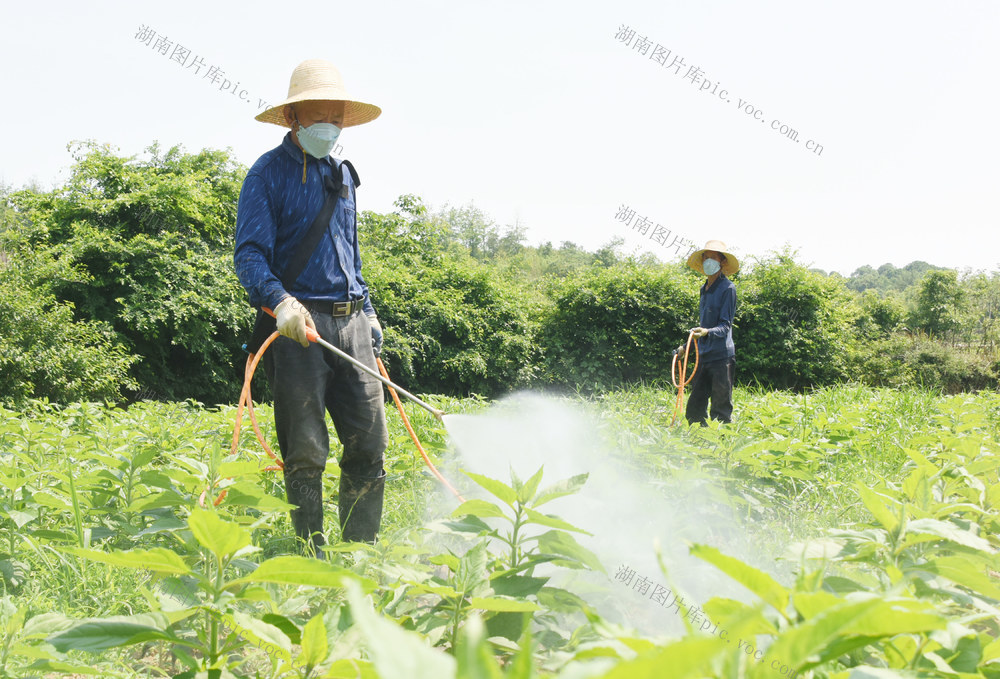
(852, 132)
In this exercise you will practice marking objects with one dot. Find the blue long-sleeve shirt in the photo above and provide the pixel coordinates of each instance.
(275, 211)
(715, 312)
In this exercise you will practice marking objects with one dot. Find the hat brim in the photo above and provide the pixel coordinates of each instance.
(355, 112)
(730, 267)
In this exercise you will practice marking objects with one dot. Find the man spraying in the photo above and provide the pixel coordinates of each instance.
(297, 253)
(716, 366)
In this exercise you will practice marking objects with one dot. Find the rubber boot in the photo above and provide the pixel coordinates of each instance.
(307, 493)
(360, 507)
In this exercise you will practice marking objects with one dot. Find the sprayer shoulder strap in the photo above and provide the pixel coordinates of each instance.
(334, 189)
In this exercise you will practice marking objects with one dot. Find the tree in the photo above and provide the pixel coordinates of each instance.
(939, 303)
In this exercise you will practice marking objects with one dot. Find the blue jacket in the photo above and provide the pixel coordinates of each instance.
(715, 313)
(275, 212)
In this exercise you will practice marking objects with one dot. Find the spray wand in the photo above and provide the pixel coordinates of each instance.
(313, 336)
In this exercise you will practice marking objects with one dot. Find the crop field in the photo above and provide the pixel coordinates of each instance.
(847, 532)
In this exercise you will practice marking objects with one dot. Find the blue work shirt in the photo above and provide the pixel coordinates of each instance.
(275, 211)
(715, 314)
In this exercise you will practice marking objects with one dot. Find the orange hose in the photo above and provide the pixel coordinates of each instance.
(413, 435)
(247, 401)
(681, 380)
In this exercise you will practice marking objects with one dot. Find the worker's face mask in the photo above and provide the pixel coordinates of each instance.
(318, 139)
(711, 267)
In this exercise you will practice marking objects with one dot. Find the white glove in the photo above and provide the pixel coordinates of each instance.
(699, 332)
(292, 320)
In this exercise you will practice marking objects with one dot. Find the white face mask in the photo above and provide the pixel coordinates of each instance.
(711, 267)
(318, 139)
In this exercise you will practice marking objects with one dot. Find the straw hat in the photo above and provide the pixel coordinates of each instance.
(729, 267)
(319, 80)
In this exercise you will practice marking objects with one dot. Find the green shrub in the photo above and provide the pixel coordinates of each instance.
(794, 327)
(152, 240)
(616, 326)
(44, 352)
(920, 361)
(453, 325)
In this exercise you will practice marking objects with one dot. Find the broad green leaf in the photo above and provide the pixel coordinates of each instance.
(18, 517)
(246, 494)
(469, 524)
(48, 665)
(220, 537)
(508, 584)
(478, 508)
(46, 624)
(284, 624)
(679, 660)
(472, 574)
(530, 487)
(948, 531)
(144, 457)
(258, 634)
(158, 559)
(443, 591)
(552, 521)
(758, 582)
(874, 503)
(104, 633)
(314, 643)
(852, 624)
(394, 651)
(300, 570)
(239, 468)
(560, 489)
(500, 490)
(564, 544)
(963, 570)
(501, 604)
(351, 669)
(811, 604)
(168, 498)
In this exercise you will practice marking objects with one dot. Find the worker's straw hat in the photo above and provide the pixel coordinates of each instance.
(729, 267)
(319, 80)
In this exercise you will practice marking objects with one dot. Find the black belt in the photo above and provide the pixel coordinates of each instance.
(329, 308)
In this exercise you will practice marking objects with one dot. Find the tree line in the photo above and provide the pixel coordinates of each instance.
(119, 284)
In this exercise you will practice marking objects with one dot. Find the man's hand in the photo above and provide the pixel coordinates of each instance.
(699, 332)
(292, 320)
(376, 335)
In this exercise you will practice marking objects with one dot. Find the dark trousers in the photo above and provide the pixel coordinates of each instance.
(713, 379)
(310, 382)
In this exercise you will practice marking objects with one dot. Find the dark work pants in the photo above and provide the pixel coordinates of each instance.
(310, 382)
(713, 379)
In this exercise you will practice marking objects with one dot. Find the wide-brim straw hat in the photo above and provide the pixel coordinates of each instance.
(729, 267)
(319, 80)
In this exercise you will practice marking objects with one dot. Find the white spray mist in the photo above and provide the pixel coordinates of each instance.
(626, 514)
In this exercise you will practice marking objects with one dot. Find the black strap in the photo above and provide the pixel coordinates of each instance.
(304, 250)
(335, 189)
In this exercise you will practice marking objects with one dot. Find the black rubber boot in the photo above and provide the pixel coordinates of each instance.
(307, 493)
(360, 507)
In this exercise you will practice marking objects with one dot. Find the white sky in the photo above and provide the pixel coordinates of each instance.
(537, 114)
